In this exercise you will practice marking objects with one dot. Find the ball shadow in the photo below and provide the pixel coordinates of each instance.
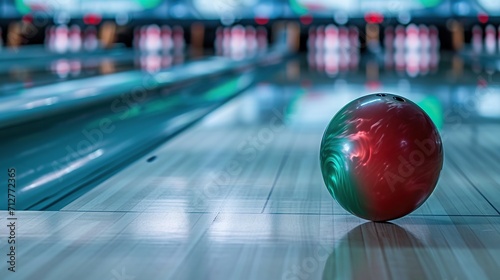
(379, 251)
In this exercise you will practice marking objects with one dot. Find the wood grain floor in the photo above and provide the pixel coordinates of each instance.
(240, 196)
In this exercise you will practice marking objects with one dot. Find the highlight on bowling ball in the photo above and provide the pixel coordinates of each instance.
(381, 156)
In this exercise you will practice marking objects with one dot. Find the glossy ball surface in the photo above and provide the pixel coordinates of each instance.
(381, 156)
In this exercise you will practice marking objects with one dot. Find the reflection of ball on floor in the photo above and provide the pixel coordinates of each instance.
(381, 156)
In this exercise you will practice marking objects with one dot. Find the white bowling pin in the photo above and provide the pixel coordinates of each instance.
(261, 38)
(344, 43)
(178, 39)
(167, 41)
(237, 39)
(354, 39)
(331, 38)
(424, 36)
(61, 40)
(477, 39)
(90, 41)
(75, 38)
(311, 39)
(153, 38)
(320, 38)
(490, 39)
(434, 42)
(251, 39)
(389, 38)
(399, 38)
(412, 42)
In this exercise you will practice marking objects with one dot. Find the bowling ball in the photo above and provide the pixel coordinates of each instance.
(381, 156)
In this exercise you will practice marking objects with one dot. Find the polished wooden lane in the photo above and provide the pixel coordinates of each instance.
(240, 196)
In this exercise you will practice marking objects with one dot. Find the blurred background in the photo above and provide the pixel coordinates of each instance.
(61, 25)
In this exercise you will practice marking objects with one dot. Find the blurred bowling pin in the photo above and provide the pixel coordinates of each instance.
(178, 39)
(354, 39)
(251, 39)
(90, 42)
(167, 42)
(75, 38)
(311, 40)
(261, 38)
(331, 38)
(320, 38)
(49, 38)
(423, 35)
(389, 38)
(344, 43)
(434, 42)
(142, 38)
(153, 38)
(400, 38)
(477, 39)
(412, 42)
(490, 39)
(61, 40)
(237, 38)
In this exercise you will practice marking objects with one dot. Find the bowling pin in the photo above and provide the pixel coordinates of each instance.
(490, 39)
(331, 38)
(142, 38)
(399, 38)
(90, 42)
(477, 39)
(49, 38)
(311, 39)
(75, 38)
(344, 43)
(153, 38)
(261, 38)
(320, 38)
(61, 40)
(389, 38)
(412, 41)
(237, 39)
(178, 39)
(354, 39)
(167, 42)
(423, 34)
(251, 39)
(434, 42)
(226, 40)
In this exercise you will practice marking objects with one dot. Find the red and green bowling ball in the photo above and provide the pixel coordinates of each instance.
(381, 156)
